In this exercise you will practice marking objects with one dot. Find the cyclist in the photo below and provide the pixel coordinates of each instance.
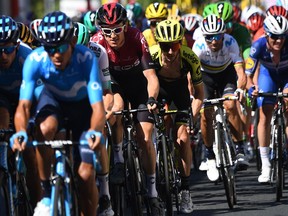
(89, 21)
(138, 14)
(34, 31)
(72, 90)
(271, 51)
(25, 34)
(173, 63)
(135, 80)
(191, 23)
(221, 63)
(155, 12)
(255, 26)
(82, 33)
(12, 56)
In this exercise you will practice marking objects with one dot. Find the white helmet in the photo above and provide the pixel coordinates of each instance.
(212, 24)
(276, 24)
(248, 11)
(190, 21)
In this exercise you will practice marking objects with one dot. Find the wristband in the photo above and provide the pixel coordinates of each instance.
(20, 134)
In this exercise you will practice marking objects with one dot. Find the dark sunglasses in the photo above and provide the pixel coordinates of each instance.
(154, 23)
(7, 50)
(165, 47)
(108, 31)
(60, 49)
(210, 38)
(276, 37)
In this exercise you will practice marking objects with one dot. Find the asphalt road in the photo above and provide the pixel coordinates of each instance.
(253, 199)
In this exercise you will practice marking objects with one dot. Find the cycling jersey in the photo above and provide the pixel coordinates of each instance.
(79, 79)
(10, 79)
(189, 62)
(259, 33)
(216, 62)
(103, 63)
(149, 37)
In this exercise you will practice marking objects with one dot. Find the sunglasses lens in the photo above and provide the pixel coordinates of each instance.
(153, 23)
(166, 47)
(275, 37)
(118, 30)
(7, 50)
(61, 49)
(210, 38)
(107, 31)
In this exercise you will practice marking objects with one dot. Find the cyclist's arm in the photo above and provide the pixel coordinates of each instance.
(197, 100)
(152, 83)
(22, 115)
(242, 80)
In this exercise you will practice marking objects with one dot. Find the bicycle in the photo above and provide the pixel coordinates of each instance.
(277, 142)
(14, 191)
(224, 149)
(134, 179)
(64, 191)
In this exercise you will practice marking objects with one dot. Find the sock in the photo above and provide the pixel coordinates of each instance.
(151, 185)
(185, 182)
(46, 187)
(264, 154)
(209, 153)
(118, 153)
(103, 180)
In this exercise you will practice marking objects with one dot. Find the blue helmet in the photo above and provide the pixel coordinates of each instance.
(56, 28)
(9, 31)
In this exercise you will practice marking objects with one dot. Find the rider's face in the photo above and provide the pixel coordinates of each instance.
(7, 54)
(276, 42)
(115, 35)
(60, 55)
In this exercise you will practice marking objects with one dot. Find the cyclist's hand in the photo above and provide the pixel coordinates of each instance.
(253, 91)
(95, 139)
(18, 141)
(151, 104)
(241, 94)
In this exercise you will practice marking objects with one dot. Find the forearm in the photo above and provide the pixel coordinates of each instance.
(242, 79)
(22, 116)
(197, 100)
(152, 83)
(98, 117)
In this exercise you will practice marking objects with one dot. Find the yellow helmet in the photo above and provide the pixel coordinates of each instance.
(156, 11)
(25, 33)
(169, 31)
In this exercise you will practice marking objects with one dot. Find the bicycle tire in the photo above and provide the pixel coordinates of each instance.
(134, 183)
(256, 142)
(279, 164)
(58, 207)
(5, 201)
(23, 206)
(163, 175)
(118, 199)
(225, 169)
(73, 191)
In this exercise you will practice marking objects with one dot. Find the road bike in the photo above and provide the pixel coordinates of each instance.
(224, 148)
(278, 155)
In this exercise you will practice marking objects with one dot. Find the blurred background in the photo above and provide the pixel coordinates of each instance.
(27, 10)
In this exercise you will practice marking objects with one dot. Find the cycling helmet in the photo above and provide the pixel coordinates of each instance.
(248, 11)
(277, 10)
(136, 8)
(275, 25)
(55, 29)
(212, 25)
(169, 31)
(9, 31)
(89, 21)
(208, 9)
(34, 27)
(190, 21)
(224, 10)
(173, 9)
(156, 11)
(25, 33)
(236, 13)
(283, 3)
(111, 14)
(255, 22)
(82, 33)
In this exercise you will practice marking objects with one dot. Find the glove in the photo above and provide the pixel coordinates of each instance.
(151, 101)
(250, 90)
(21, 136)
(93, 134)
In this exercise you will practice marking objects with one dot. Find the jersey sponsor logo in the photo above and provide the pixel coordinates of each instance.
(191, 57)
(145, 45)
(127, 67)
(249, 64)
(253, 50)
(82, 58)
(23, 84)
(105, 72)
(200, 46)
(96, 86)
(38, 56)
(95, 49)
(230, 42)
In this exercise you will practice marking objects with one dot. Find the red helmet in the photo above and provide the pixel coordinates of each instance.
(255, 22)
(111, 14)
(277, 10)
(236, 13)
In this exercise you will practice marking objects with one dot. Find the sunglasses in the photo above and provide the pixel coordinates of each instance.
(60, 49)
(154, 23)
(165, 47)
(276, 37)
(210, 38)
(108, 31)
(7, 50)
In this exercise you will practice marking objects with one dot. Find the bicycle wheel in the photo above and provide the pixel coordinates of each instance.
(134, 180)
(58, 198)
(279, 164)
(5, 198)
(227, 172)
(72, 192)
(22, 205)
(118, 199)
(163, 180)
(255, 140)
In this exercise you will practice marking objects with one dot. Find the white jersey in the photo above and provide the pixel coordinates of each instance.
(103, 63)
(215, 62)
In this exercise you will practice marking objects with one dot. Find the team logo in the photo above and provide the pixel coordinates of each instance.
(249, 64)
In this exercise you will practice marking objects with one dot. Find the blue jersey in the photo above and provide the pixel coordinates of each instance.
(77, 81)
(10, 79)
